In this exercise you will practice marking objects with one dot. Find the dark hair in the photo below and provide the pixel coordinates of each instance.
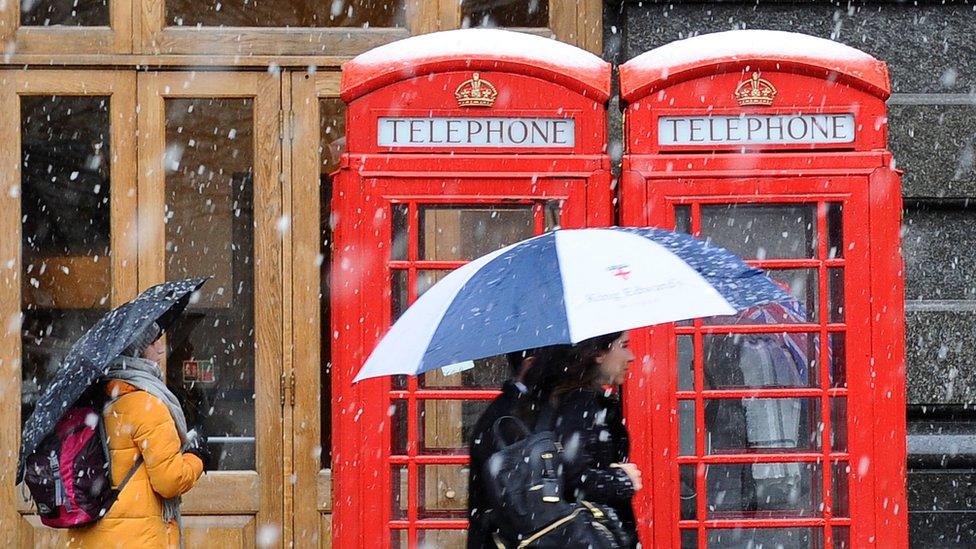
(141, 341)
(583, 371)
(516, 358)
(546, 370)
(561, 369)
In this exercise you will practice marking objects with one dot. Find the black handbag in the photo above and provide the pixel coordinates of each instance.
(525, 487)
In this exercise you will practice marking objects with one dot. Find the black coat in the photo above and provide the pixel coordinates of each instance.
(590, 427)
(481, 447)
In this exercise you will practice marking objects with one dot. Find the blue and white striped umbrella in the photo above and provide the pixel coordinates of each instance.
(564, 287)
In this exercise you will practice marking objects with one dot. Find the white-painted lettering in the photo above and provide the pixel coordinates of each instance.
(461, 132)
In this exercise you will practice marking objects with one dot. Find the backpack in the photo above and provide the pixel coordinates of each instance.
(70, 474)
(524, 480)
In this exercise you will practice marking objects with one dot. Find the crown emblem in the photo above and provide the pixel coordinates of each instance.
(755, 91)
(476, 93)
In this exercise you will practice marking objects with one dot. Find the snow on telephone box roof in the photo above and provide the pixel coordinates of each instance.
(477, 49)
(787, 51)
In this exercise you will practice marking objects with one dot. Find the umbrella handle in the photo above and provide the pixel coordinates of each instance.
(500, 440)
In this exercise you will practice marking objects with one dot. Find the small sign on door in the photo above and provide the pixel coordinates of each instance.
(199, 371)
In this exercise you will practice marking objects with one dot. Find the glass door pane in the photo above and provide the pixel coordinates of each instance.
(66, 268)
(210, 232)
(423, 235)
(753, 391)
(505, 13)
(424, 423)
(286, 13)
(75, 13)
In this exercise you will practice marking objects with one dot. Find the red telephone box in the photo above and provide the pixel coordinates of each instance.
(458, 143)
(783, 426)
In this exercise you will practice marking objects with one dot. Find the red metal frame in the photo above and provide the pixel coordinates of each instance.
(659, 350)
(370, 434)
(371, 180)
(656, 179)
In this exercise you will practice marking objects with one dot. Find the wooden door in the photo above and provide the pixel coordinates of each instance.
(210, 204)
(67, 216)
(315, 129)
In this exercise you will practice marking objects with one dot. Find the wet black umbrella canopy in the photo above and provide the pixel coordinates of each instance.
(91, 355)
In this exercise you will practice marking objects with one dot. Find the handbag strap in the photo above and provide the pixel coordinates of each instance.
(499, 437)
(138, 462)
(128, 476)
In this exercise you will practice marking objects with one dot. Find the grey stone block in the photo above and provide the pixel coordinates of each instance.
(937, 490)
(941, 365)
(941, 508)
(934, 144)
(939, 246)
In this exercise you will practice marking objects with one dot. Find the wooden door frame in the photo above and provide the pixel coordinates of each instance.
(257, 492)
(120, 87)
(154, 36)
(310, 501)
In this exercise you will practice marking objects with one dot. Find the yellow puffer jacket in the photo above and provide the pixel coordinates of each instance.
(140, 423)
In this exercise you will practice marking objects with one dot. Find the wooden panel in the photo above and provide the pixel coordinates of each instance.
(449, 14)
(231, 492)
(442, 424)
(590, 26)
(423, 16)
(124, 198)
(287, 296)
(563, 21)
(225, 531)
(305, 288)
(148, 20)
(116, 38)
(268, 296)
(276, 41)
(324, 487)
(326, 85)
(153, 36)
(151, 181)
(445, 488)
(9, 20)
(325, 532)
(46, 61)
(445, 539)
(35, 535)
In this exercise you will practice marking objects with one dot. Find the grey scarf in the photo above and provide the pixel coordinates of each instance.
(145, 375)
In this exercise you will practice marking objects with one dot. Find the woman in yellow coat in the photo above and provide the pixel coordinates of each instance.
(144, 419)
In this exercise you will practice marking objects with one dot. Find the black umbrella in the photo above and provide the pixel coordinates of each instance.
(91, 355)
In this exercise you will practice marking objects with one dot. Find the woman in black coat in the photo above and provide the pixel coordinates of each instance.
(589, 423)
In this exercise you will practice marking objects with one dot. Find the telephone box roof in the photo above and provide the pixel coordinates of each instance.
(762, 49)
(472, 50)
